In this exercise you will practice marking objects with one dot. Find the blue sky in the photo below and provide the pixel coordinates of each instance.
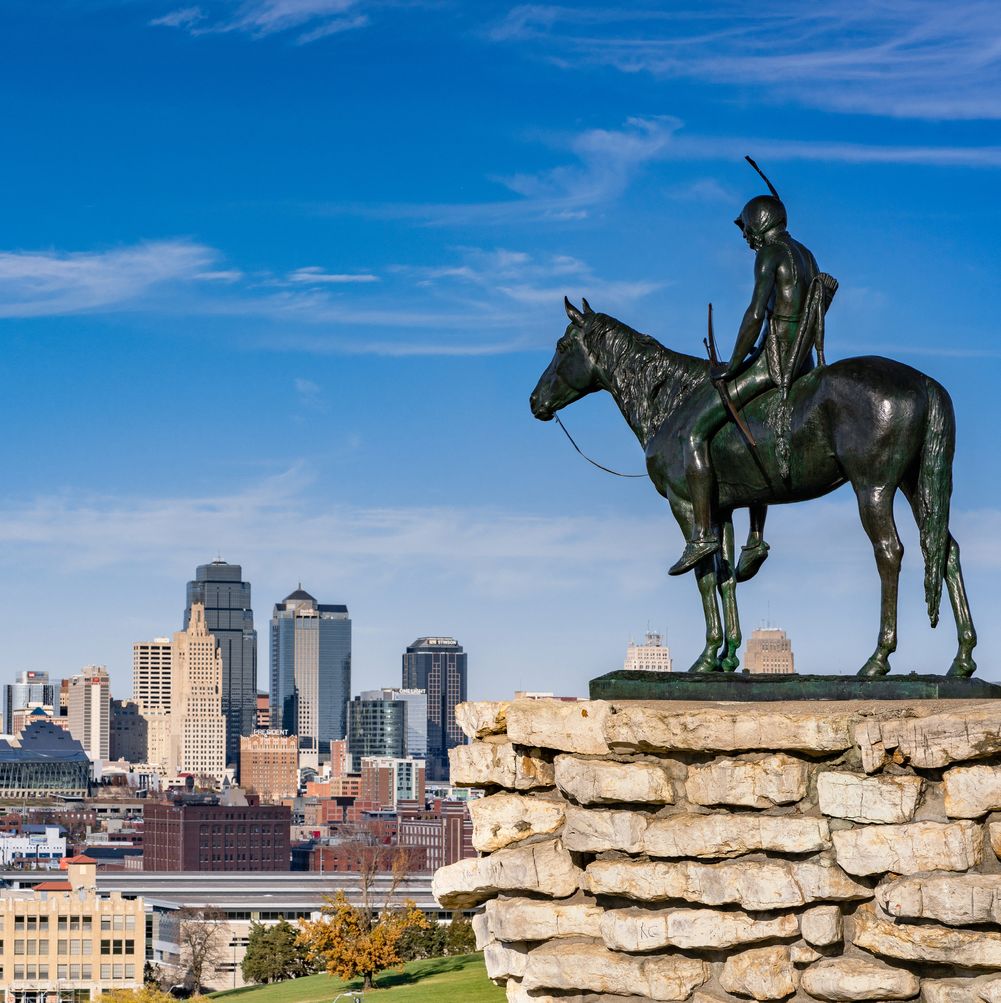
(277, 277)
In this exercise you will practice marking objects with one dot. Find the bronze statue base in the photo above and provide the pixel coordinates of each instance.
(639, 685)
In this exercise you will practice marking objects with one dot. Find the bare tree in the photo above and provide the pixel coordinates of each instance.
(202, 935)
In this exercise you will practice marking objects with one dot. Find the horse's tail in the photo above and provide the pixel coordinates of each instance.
(934, 492)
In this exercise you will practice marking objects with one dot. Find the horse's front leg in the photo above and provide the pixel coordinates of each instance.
(876, 509)
(705, 574)
(728, 591)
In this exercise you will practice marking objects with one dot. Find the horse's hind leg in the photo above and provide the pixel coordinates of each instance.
(728, 593)
(963, 664)
(875, 504)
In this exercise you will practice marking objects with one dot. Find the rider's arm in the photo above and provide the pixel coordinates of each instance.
(765, 265)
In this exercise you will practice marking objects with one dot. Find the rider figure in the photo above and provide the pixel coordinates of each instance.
(784, 272)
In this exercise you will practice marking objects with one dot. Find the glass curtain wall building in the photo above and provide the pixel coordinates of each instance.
(310, 669)
(229, 617)
(31, 689)
(437, 665)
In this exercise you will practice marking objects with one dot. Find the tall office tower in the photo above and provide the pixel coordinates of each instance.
(230, 620)
(376, 728)
(129, 735)
(650, 656)
(30, 689)
(437, 665)
(64, 698)
(416, 743)
(151, 674)
(151, 694)
(89, 710)
(197, 723)
(769, 651)
(310, 669)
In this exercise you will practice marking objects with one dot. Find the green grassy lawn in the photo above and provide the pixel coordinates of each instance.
(462, 978)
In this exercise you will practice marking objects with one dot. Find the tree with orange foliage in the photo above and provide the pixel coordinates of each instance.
(350, 942)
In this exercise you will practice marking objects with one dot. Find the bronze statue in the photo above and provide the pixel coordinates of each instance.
(874, 423)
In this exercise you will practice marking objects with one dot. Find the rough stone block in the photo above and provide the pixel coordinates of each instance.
(559, 724)
(972, 791)
(877, 933)
(953, 899)
(859, 979)
(481, 930)
(543, 868)
(500, 764)
(593, 781)
(720, 835)
(479, 718)
(762, 783)
(763, 973)
(990, 991)
(803, 954)
(753, 885)
(887, 799)
(505, 960)
(592, 967)
(822, 926)
(994, 834)
(690, 929)
(502, 819)
(663, 727)
(520, 919)
(965, 731)
(909, 849)
(949, 991)
(598, 831)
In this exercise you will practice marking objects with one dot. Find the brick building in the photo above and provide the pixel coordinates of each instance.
(443, 833)
(269, 764)
(232, 832)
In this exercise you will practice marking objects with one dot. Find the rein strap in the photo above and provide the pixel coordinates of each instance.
(607, 470)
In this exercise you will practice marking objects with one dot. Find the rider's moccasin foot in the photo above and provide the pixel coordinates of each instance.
(695, 551)
(751, 559)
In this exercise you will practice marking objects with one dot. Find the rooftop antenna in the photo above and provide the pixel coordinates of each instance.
(764, 177)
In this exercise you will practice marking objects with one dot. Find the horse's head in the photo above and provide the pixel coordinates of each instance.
(572, 373)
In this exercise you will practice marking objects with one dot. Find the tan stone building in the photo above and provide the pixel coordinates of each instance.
(197, 724)
(769, 651)
(269, 764)
(151, 691)
(650, 656)
(89, 710)
(65, 943)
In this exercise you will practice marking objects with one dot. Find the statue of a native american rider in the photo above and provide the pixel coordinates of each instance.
(791, 296)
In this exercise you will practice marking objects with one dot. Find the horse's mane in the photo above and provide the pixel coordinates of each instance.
(650, 381)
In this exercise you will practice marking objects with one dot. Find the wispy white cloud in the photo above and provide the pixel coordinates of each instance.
(918, 58)
(306, 20)
(475, 303)
(315, 275)
(37, 283)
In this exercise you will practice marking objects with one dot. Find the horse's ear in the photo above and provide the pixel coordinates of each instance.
(586, 305)
(576, 317)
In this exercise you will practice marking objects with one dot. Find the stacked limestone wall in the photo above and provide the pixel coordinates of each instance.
(710, 851)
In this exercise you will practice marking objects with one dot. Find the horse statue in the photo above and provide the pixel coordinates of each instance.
(876, 424)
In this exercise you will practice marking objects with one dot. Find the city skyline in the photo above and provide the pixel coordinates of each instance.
(318, 263)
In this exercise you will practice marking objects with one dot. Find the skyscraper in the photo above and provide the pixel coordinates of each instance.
(197, 723)
(151, 693)
(230, 619)
(769, 652)
(30, 689)
(416, 740)
(90, 710)
(376, 728)
(437, 665)
(310, 669)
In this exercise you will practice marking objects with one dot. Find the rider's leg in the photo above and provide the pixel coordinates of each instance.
(699, 476)
(754, 552)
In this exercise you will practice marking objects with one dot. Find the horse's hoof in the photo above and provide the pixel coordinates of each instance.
(963, 666)
(874, 667)
(751, 559)
(704, 664)
(729, 664)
